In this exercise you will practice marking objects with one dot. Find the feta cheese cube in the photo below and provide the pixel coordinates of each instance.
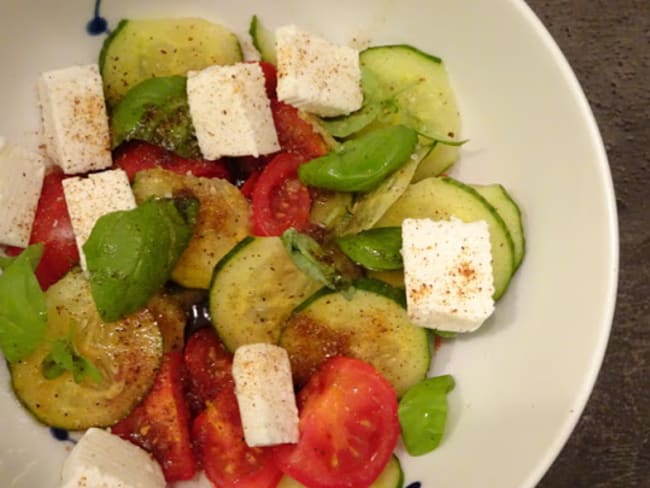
(231, 112)
(316, 75)
(103, 460)
(447, 273)
(265, 396)
(91, 197)
(21, 179)
(75, 124)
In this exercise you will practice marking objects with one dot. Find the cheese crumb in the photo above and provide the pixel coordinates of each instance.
(316, 75)
(75, 122)
(21, 179)
(264, 389)
(90, 198)
(447, 273)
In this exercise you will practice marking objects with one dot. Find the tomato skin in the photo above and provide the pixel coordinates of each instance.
(219, 440)
(270, 77)
(348, 427)
(52, 227)
(279, 199)
(209, 368)
(161, 423)
(296, 134)
(134, 156)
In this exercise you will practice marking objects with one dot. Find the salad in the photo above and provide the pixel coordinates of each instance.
(291, 200)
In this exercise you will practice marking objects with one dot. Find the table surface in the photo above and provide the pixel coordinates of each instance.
(608, 45)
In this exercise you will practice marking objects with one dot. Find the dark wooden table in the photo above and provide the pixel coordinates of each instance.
(607, 42)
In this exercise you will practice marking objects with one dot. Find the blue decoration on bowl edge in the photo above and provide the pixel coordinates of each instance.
(415, 484)
(61, 434)
(98, 24)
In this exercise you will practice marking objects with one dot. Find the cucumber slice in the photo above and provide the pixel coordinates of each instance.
(423, 95)
(439, 198)
(222, 221)
(372, 326)
(263, 40)
(127, 352)
(254, 289)
(141, 49)
(391, 477)
(508, 209)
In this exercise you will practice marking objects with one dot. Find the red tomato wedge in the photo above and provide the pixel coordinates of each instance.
(348, 427)
(53, 228)
(270, 77)
(279, 199)
(161, 423)
(135, 156)
(295, 134)
(219, 441)
(209, 368)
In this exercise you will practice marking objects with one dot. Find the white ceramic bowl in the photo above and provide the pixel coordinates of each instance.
(524, 378)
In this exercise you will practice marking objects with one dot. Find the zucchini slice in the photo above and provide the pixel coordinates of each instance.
(509, 211)
(141, 49)
(254, 289)
(372, 326)
(391, 477)
(222, 221)
(127, 353)
(423, 94)
(439, 198)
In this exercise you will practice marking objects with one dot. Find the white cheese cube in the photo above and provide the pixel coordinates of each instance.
(447, 273)
(75, 124)
(231, 112)
(316, 75)
(103, 460)
(21, 179)
(265, 395)
(91, 197)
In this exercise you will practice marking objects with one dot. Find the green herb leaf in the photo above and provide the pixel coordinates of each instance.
(422, 414)
(156, 110)
(361, 164)
(63, 357)
(130, 254)
(310, 258)
(378, 249)
(23, 311)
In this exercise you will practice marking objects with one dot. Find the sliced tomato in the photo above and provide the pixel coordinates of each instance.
(209, 366)
(348, 427)
(53, 228)
(279, 199)
(249, 185)
(135, 156)
(227, 460)
(161, 423)
(270, 76)
(295, 134)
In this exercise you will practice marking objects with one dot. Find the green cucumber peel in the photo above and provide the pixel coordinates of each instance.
(422, 414)
(156, 111)
(378, 249)
(23, 309)
(361, 164)
(131, 254)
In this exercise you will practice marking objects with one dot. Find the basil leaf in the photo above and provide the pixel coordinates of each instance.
(378, 249)
(361, 164)
(23, 310)
(422, 414)
(130, 255)
(310, 258)
(156, 110)
(63, 357)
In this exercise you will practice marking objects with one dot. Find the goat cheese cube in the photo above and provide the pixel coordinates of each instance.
(231, 112)
(21, 179)
(447, 273)
(103, 460)
(316, 75)
(264, 389)
(75, 123)
(91, 197)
